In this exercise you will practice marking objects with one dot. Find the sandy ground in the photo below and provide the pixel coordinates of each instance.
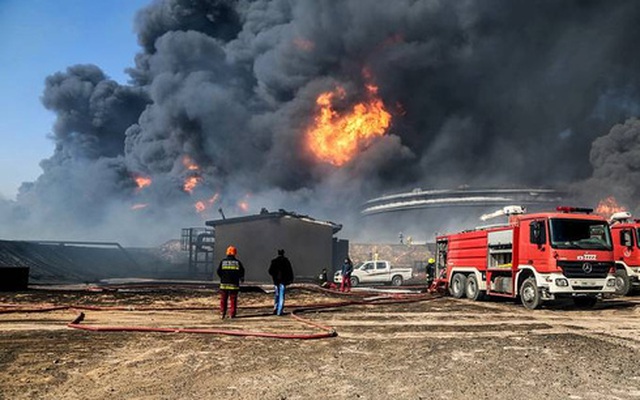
(434, 349)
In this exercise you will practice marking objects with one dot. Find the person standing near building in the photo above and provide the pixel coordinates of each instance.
(431, 271)
(347, 269)
(323, 278)
(282, 274)
(231, 273)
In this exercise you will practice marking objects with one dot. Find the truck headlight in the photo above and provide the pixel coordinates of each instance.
(562, 282)
(611, 282)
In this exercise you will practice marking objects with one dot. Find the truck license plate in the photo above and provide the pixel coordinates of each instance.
(582, 283)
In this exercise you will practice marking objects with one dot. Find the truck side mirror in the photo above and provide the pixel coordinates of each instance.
(537, 233)
(626, 238)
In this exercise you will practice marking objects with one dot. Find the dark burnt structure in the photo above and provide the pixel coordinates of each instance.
(308, 243)
(73, 262)
(13, 278)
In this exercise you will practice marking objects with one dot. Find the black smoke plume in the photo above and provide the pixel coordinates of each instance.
(616, 167)
(483, 93)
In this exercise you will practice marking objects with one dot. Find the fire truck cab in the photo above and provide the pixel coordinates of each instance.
(536, 257)
(626, 250)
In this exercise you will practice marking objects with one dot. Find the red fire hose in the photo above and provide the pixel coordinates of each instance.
(327, 331)
(19, 309)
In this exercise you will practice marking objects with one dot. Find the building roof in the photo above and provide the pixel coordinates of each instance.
(265, 214)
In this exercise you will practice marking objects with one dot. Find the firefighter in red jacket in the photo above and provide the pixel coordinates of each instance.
(231, 273)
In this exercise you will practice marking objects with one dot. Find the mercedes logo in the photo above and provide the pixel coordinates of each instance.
(587, 268)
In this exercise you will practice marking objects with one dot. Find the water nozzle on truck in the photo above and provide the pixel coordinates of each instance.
(508, 210)
(620, 217)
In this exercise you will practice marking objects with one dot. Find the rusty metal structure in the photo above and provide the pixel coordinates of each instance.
(199, 242)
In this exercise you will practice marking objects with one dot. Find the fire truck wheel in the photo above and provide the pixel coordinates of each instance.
(396, 280)
(473, 289)
(354, 281)
(458, 285)
(585, 301)
(623, 284)
(530, 294)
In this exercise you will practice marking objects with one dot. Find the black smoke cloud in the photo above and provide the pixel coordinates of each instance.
(483, 93)
(616, 166)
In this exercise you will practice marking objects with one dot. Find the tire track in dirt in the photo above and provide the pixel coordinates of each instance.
(615, 321)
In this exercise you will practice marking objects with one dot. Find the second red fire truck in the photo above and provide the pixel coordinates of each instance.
(626, 249)
(536, 257)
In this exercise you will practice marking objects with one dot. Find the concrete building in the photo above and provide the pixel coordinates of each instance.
(308, 243)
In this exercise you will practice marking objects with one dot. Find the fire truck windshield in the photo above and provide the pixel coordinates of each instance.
(638, 237)
(579, 234)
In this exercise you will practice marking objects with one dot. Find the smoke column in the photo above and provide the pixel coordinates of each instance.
(616, 167)
(486, 93)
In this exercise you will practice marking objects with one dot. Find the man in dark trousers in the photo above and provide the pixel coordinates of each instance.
(347, 269)
(282, 274)
(231, 273)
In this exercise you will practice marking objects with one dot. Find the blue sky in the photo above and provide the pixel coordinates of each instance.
(41, 37)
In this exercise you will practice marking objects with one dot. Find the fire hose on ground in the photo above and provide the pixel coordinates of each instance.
(327, 332)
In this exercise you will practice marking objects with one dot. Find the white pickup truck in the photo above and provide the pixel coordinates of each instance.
(376, 272)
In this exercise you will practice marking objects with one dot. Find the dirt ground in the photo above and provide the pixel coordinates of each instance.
(434, 349)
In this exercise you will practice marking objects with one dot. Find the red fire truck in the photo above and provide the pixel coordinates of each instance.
(536, 257)
(626, 251)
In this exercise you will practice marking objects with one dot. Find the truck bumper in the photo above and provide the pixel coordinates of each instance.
(634, 277)
(559, 285)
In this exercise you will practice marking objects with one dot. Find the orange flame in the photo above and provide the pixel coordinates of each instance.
(608, 206)
(202, 205)
(189, 164)
(213, 199)
(243, 205)
(190, 183)
(139, 206)
(336, 138)
(142, 181)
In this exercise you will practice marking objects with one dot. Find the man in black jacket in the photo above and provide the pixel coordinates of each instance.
(282, 274)
(231, 272)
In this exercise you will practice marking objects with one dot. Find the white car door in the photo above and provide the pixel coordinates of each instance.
(382, 272)
(366, 272)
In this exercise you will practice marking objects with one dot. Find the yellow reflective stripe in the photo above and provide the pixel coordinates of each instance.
(230, 265)
(226, 286)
